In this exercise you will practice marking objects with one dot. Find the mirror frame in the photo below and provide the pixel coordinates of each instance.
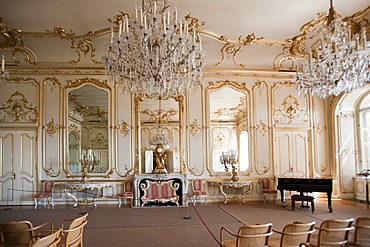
(73, 85)
(238, 87)
(138, 159)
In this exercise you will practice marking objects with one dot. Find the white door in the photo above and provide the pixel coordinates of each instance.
(292, 153)
(18, 150)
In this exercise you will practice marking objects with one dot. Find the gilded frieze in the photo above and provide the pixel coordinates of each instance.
(18, 109)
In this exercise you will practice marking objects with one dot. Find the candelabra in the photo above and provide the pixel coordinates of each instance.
(229, 158)
(154, 53)
(89, 159)
(337, 60)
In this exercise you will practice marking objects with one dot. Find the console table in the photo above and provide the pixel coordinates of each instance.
(70, 188)
(244, 186)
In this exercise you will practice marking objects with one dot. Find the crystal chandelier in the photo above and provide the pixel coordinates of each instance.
(160, 139)
(3, 73)
(153, 53)
(337, 60)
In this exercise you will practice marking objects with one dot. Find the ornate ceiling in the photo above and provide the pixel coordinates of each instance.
(251, 35)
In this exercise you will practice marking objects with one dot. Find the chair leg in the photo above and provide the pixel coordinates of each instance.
(35, 202)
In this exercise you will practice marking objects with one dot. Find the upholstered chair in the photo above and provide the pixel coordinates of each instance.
(198, 191)
(46, 195)
(127, 194)
(267, 189)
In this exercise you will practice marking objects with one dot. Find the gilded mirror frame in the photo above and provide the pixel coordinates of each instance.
(239, 87)
(139, 152)
(75, 85)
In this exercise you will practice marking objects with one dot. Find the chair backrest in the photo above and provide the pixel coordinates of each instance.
(265, 183)
(197, 184)
(254, 235)
(16, 232)
(362, 230)
(72, 235)
(48, 187)
(296, 233)
(128, 186)
(50, 240)
(21, 232)
(334, 232)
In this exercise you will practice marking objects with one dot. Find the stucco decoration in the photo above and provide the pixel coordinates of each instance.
(291, 112)
(18, 109)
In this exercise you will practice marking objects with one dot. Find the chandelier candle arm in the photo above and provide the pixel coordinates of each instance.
(154, 55)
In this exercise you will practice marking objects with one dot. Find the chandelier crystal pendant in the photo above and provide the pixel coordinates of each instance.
(153, 53)
(337, 62)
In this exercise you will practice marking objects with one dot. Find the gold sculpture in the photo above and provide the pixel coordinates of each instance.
(160, 157)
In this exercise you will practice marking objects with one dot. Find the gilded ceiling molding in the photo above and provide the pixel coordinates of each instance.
(195, 128)
(218, 84)
(290, 112)
(12, 39)
(18, 109)
(51, 128)
(86, 111)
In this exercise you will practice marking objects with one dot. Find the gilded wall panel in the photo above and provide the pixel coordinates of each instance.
(346, 154)
(195, 127)
(52, 128)
(261, 128)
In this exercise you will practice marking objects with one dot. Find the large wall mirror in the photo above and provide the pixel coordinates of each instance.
(159, 134)
(87, 134)
(227, 121)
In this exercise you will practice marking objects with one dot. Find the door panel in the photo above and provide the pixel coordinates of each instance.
(17, 166)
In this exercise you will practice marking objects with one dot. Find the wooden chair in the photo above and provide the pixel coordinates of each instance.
(248, 236)
(46, 195)
(296, 234)
(51, 239)
(72, 231)
(20, 232)
(362, 232)
(267, 189)
(198, 191)
(127, 194)
(332, 232)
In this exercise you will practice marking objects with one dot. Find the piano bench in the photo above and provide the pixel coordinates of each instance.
(303, 198)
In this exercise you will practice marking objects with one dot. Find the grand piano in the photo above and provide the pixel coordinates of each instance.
(306, 185)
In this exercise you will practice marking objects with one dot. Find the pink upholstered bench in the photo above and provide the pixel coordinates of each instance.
(160, 192)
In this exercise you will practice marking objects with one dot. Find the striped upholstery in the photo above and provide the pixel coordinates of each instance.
(198, 191)
(160, 191)
(128, 192)
(46, 195)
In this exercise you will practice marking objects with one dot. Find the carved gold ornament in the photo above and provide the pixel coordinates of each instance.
(73, 128)
(124, 128)
(320, 128)
(195, 127)
(17, 109)
(52, 128)
(87, 111)
(163, 115)
(290, 112)
(262, 128)
(99, 141)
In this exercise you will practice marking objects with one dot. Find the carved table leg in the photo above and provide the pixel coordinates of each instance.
(222, 191)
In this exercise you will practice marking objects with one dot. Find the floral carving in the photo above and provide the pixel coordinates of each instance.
(124, 128)
(51, 128)
(195, 127)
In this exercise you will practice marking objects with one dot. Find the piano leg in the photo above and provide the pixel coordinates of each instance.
(329, 202)
(283, 203)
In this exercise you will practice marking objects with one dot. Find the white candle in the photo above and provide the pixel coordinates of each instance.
(120, 29)
(126, 20)
(155, 8)
(111, 35)
(144, 21)
(3, 64)
(180, 28)
(175, 15)
(194, 36)
(164, 23)
(135, 12)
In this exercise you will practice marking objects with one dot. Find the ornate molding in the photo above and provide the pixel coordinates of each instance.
(290, 112)
(18, 109)
(124, 128)
(195, 127)
(52, 128)
(262, 128)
